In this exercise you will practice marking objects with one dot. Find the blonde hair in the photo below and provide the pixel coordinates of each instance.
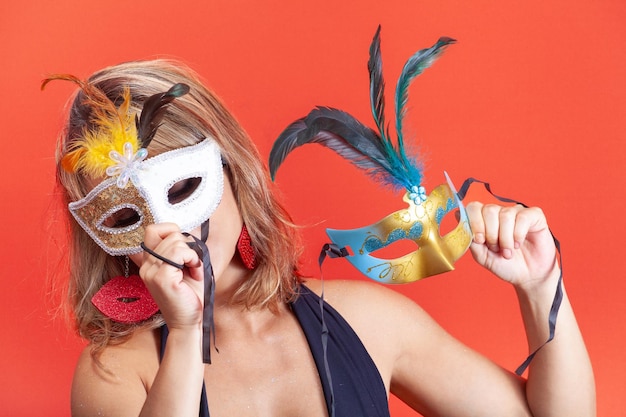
(188, 120)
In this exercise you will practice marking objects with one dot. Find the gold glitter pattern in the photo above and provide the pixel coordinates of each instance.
(95, 210)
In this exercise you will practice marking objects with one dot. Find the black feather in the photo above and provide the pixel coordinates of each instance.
(341, 132)
(377, 83)
(153, 111)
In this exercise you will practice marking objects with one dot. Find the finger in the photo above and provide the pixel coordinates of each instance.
(528, 220)
(491, 219)
(507, 226)
(176, 248)
(163, 278)
(155, 233)
(149, 252)
(173, 250)
(477, 224)
(196, 272)
(189, 256)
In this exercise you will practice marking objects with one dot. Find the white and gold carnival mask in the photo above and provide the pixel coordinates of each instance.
(183, 186)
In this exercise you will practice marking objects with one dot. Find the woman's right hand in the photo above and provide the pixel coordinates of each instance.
(179, 293)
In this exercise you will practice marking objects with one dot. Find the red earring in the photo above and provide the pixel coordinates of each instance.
(125, 299)
(245, 249)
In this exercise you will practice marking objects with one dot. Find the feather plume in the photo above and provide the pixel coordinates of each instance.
(346, 136)
(365, 148)
(332, 128)
(113, 126)
(154, 110)
(377, 83)
(92, 93)
(415, 65)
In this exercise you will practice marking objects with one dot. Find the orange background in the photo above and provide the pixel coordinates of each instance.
(532, 99)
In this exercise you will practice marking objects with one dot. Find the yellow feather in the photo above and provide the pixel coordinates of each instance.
(70, 161)
(113, 128)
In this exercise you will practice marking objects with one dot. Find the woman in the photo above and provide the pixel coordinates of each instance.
(265, 315)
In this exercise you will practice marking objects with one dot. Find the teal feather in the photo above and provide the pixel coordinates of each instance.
(415, 65)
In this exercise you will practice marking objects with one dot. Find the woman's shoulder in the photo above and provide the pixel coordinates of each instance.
(370, 307)
(116, 371)
(139, 352)
(363, 298)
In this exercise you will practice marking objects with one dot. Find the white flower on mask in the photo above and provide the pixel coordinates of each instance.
(418, 194)
(126, 165)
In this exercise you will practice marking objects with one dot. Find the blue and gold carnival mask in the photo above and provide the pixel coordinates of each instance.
(389, 164)
(420, 223)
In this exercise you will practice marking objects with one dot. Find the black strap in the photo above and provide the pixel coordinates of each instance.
(332, 251)
(208, 321)
(160, 257)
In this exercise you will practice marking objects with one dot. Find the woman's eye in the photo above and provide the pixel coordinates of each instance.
(122, 218)
(182, 190)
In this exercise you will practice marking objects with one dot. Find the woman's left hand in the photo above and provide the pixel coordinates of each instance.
(513, 242)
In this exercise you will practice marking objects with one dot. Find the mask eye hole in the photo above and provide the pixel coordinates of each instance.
(396, 249)
(123, 217)
(396, 244)
(183, 189)
(449, 222)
